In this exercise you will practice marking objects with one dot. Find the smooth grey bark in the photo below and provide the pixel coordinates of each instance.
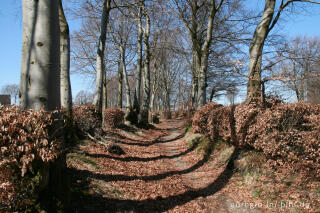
(120, 82)
(166, 85)
(137, 94)
(295, 82)
(65, 84)
(255, 51)
(155, 86)
(40, 69)
(194, 86)
(304, 84)
(126, 82)
(262, 30)
(104, 92)
(200, 49)
(196, 51)
(29, 14)
(144, 115)
(202, 79)
(101, 72)
(152, 100)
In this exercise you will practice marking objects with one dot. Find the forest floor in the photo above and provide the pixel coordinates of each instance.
(159, 171)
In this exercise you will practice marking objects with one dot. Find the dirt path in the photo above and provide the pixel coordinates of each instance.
(159, 172)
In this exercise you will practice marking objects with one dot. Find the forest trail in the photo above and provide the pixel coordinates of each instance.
(159, 172)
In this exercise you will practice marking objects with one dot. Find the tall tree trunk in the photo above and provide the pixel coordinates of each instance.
(179, 93)
(40, 75)
(195, 67)
(101, 72)
(301, 90)
(65, 87)
(305, 81)
(154, 88)
(120, 82)
(295, 82)
(196, 59)
(137, 95)
(29, 25)
(255, 50)
(213, 92)
(144, 115)
(126, 84)
(40, 72)
(202, 85)
(104, 97)
(152, 98)
(167, 96)
(254, 83)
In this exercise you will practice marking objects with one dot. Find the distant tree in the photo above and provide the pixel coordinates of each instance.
(121, 30)
(231, 94)
(314, 90)
(268, 20)
(100, 91)
(11, 89)
(298, 67)
(83, 97)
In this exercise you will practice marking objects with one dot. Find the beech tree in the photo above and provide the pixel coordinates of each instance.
(204, 21)
(144, 114)
(40, 67)
(40, 75)
(137, 89)
(120, 82)
(100, 91)
(266, 24)
(65, 87)
(298, 67)
(121, 29)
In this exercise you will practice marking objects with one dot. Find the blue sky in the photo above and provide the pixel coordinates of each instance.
(11, 36)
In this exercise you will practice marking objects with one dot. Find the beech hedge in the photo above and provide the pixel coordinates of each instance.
(114, 117)
(288, 133)
(29, 140)
(86, 119)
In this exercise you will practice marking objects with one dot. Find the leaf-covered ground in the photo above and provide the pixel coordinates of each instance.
(159, 172)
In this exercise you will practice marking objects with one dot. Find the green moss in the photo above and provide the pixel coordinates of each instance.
(118, 192)
(256, 193)
(83, 159)
(80, 192)
(204, 145)
(225, 154)
(189, 128)
(250, 161)
(193, 141)
(84, 142)
(220, 145)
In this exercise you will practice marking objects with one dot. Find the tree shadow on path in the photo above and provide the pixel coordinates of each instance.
(138, 159)
(100, 204)
(156, 141)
